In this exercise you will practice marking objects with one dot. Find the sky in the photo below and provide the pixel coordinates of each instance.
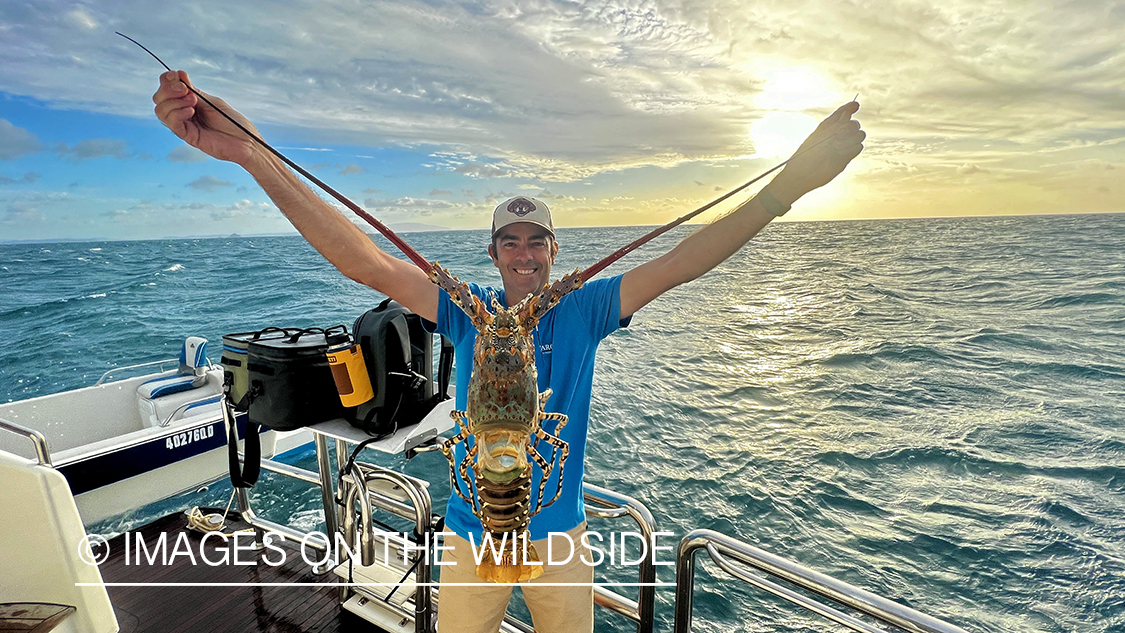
(614, 113)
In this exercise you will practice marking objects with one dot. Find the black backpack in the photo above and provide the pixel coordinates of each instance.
(398, 353)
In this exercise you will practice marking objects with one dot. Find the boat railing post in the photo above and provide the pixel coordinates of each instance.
(423, 528)
(42, 451)
(328, 498)
(685, 580)
(606, 504)
(341, 460)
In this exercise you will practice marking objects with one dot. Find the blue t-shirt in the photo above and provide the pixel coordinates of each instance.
(566, 340)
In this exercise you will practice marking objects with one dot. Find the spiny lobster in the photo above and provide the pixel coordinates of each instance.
(504, 413)
(504, 416)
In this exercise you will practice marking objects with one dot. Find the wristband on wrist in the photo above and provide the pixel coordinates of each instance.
(771, 204)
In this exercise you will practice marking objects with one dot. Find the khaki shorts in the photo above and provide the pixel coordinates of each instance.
(480, 608)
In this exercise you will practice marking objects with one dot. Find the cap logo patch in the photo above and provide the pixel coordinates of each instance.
(521, 207)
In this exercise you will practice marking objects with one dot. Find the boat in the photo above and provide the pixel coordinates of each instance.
(69, 460)
(140, 439)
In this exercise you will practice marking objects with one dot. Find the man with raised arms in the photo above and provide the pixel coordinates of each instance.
(523, 249)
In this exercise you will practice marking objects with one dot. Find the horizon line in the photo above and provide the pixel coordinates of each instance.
(442, 229)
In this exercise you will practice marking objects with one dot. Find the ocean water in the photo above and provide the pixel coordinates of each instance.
(929, 409)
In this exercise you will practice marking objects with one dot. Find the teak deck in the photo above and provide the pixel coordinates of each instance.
(278, 609)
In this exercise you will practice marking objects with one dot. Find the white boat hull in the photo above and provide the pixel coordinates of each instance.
(115, 460)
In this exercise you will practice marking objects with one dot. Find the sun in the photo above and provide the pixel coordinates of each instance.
(777, 134)
(785, 94)
(793, 89)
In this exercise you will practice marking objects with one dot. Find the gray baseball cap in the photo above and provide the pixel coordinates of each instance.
(522, 209)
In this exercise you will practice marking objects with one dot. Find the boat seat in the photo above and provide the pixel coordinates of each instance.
(183, 393)
(41, 535)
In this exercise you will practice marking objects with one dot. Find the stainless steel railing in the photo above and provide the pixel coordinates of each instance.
(722, 548)
(42, 451)
(600, 503)
(154, 363)
(606, 504)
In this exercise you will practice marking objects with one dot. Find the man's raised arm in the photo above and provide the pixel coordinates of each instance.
(703, 250)
(340, 242)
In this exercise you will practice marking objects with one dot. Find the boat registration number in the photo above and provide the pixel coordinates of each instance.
(188, 437)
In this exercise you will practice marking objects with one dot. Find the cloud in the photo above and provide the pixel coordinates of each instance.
(557, 91)
(149, 213)
(22, 213)
(411, 206)
(94, 148)
(208, 183)
(370, 190)
(29, 177)
(16, 141)
(440, 192)
(352, 168)
(81, 19)
(477, 170)
(244, 208)
(969, 168)
(186, 154)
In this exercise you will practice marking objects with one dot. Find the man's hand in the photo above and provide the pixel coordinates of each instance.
(197, 123)
(834, 143)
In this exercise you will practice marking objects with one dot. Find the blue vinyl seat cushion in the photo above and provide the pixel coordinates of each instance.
(167, 385)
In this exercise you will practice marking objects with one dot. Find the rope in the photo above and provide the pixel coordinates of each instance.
(213, 522)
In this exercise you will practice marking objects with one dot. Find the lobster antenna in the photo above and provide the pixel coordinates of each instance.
(379, 226)
(625, 250)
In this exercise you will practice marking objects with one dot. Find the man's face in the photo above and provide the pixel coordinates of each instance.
(524, 253)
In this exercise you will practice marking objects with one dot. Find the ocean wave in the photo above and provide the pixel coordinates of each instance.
(887, 353)
(922, 407)
(1084, 299)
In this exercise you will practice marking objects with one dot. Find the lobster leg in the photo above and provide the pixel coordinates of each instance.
(470, 453)
(447, 445)
(560, 418)
(447, 450)
(546, 468)
(564, 448)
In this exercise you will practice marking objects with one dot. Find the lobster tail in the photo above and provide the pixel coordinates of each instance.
(520, 565)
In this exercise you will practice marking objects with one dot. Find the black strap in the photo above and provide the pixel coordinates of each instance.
(259, 333)
(445, 369)
(296, 336)
(246, 476)
(369, 422)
